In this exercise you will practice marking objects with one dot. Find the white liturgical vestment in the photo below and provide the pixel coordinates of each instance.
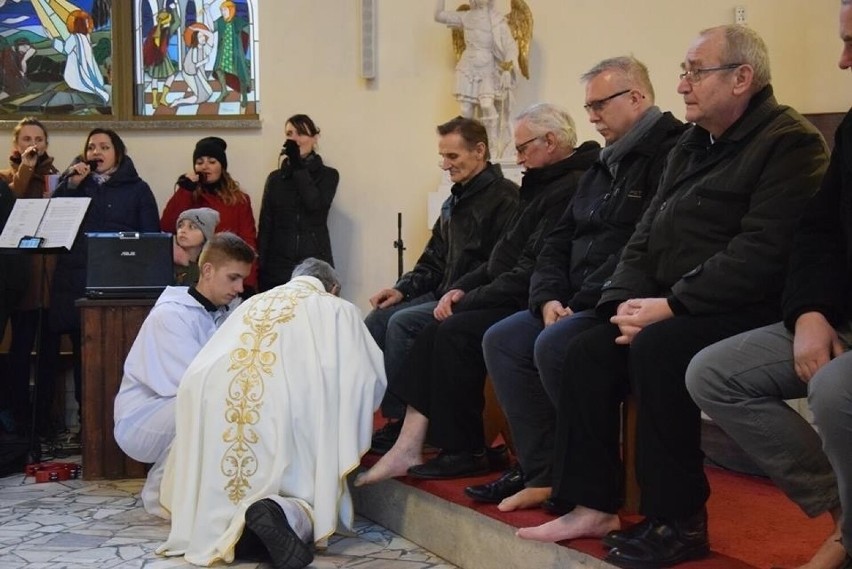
(279, 401)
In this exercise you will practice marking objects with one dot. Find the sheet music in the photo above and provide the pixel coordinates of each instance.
(62, 220)
(56, 220)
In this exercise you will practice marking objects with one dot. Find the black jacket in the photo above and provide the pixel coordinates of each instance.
(293, 219)
(504, 281)
(584, 247)
(14, 274)
(123, 203)
(820, 275)
(717, 236)
(472, 219)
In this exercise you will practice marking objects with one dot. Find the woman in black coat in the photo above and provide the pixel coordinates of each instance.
(121, 201)
(294, 210)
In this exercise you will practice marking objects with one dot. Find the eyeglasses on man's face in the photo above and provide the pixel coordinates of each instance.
(693, 76)
(522, 147)
(599, 104)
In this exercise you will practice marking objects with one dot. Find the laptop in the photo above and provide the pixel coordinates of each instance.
(128, 264)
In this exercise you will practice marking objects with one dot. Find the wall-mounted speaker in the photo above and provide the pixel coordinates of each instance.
(369, 53)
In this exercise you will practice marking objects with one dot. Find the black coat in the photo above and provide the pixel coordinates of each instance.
(504, 281)
(14, 273)
(122, 203)
(293, 219)
(717, 236)
(472, 220)
(583, 249)
(820, 275)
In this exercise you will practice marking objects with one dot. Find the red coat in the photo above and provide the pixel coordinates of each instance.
(237, 218)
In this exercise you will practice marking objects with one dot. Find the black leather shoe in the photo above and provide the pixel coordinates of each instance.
(663, 543)
(250, 548)
(557, 506)
(623, 536)
(498, 458)
(385, 438)
(494, 492)
(267, 521)
(451, 465)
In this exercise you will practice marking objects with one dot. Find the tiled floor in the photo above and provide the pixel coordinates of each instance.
(77, 525)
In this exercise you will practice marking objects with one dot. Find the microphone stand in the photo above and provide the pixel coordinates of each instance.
(34, 452)
(398, 244)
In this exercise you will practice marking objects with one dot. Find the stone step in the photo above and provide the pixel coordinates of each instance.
(462, 536)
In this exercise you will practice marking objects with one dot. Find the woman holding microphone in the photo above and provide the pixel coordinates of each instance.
(294, 210)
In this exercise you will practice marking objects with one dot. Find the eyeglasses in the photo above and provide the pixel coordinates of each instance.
(522, 147)
(598, 106)
(693, 76)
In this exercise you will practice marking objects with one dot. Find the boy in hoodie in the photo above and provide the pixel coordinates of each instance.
(178, 326)
(194, 228)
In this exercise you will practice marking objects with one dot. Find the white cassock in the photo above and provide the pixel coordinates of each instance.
(279, 401)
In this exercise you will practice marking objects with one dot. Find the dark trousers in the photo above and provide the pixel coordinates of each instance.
(445, 375)
(24, 331)
(599, 374)
(526, 360)
(48, 371)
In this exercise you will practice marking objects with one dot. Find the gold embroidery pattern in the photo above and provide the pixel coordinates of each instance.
(253, 362)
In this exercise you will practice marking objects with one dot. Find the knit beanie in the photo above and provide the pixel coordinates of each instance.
(212, 146)
(204, 217)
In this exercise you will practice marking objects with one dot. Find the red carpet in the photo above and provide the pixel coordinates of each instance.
(752, 524)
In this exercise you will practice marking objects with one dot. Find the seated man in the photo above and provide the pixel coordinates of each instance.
(706, 262)
(445, 373)
(742, 382)
(473, 218)
(272, 415)
(524, 353)
(178, 326)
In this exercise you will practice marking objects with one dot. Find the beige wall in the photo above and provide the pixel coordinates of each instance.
(380, 134)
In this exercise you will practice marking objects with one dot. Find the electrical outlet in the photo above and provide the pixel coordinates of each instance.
(740, 15)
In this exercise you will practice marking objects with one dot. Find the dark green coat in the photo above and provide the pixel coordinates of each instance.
(717, 236)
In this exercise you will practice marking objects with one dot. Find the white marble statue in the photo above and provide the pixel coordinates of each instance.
(487, 45)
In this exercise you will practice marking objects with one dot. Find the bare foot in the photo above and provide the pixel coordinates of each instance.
(395, 462)
(830, 555)
(526, 498)
(579, 522)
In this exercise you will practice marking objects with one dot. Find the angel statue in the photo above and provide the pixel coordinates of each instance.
(487, 44)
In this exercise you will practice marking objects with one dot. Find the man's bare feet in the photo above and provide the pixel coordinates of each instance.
(579, 522)
(396, 462)
(830, 555)
(526, 498)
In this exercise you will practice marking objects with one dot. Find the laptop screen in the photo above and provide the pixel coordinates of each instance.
(128, 264)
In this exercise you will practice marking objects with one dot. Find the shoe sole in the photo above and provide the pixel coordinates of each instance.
(471, 474)
(267, 520)
(688, 555)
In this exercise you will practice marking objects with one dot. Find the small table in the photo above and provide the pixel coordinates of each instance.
(109, 327)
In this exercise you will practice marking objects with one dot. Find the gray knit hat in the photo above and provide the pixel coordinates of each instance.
(204, 217)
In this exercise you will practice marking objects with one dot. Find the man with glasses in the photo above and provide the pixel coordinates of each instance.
(445, 373)
(524, 352)
(742, 382)
(706, 262)
(472, 219)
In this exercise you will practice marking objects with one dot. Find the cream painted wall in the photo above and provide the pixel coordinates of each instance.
(380, 134)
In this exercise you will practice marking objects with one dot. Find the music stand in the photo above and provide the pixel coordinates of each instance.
(32, 224)
(34, 452)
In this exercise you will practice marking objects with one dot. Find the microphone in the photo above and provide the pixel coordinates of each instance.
(283, 150)
(92, 164)
(202, 178)
(31, 152)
